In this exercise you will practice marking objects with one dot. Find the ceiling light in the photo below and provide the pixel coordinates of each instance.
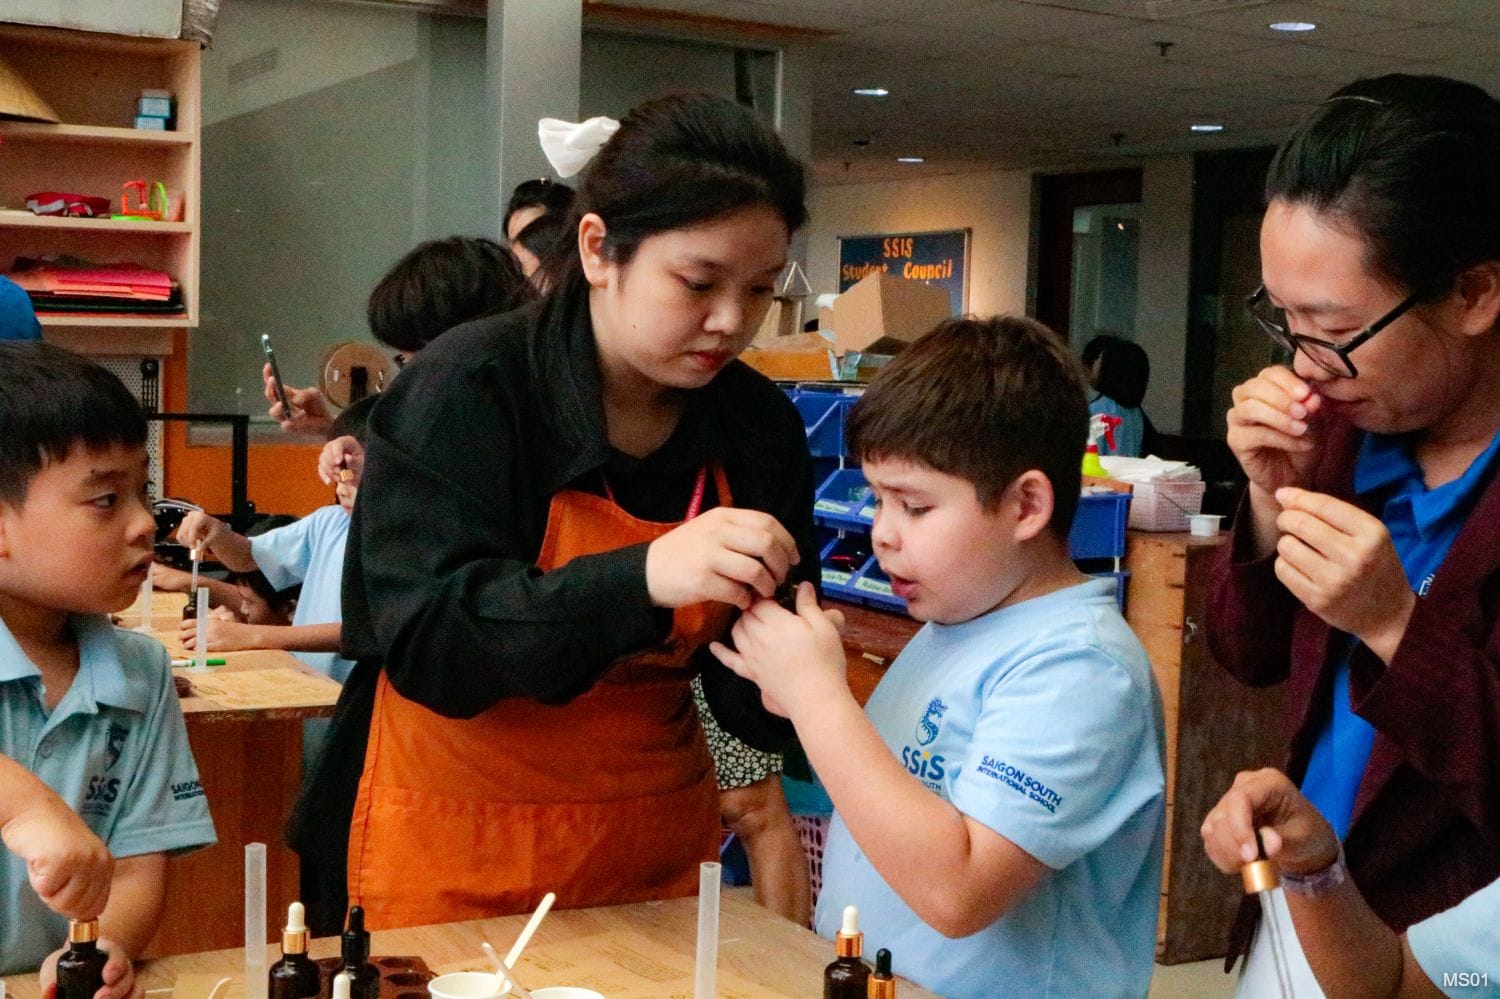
(1292, 26)
(872, 91)
(1205, 128)
(910, 159)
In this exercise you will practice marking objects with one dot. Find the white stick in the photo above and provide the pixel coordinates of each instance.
(256, 983)
(530, 930)
(505, 979)
(200, 643)
(707, 969)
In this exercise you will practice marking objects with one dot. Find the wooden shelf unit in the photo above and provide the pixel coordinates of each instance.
(92, 81)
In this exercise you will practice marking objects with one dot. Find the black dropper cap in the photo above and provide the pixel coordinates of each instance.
(356, 942)
(883, 963)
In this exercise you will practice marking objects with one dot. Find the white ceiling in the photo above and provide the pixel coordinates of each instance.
(986, 84)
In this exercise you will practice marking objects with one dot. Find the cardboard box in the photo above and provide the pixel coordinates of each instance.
(881, 313)
(783, 318)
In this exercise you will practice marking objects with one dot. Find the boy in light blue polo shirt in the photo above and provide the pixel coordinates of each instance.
(89, 717)
(309, 551)
(999, 803)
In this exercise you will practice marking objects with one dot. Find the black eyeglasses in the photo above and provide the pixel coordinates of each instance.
(1331, 357)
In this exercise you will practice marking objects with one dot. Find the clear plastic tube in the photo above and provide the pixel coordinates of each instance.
(256, 983)
(706, 971)
(145, 598)
(1268, 919)
(200, 644)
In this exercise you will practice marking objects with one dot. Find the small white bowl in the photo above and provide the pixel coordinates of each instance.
(466, 985)
(1204, 525)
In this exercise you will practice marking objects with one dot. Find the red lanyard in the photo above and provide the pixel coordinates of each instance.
(695, 506)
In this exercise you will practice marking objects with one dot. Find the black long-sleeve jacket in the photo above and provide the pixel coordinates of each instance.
(441, 589)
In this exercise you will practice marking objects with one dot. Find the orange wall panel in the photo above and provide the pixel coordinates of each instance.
(283, 478)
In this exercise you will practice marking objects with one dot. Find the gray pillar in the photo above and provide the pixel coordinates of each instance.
(532, 52)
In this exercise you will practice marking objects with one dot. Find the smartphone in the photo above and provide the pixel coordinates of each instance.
(286, 407)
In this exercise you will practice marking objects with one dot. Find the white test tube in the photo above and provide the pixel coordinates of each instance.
(200, 644)
(256, 983)
(145, 598)
(706, 970)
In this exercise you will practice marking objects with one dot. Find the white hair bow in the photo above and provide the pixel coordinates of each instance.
(570, 145)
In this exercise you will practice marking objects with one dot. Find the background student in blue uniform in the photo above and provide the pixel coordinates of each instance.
(309, 552)
(88, 710)
(999, 803)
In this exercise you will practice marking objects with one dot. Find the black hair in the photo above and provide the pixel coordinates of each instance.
(278, 600)
(543, 234)
(984, 400)
(1124, 372)
(440, 284)
(545, 193)
(353, 420)
(52, 400)
(1095, 347)
(676, 162)
(1412, 165)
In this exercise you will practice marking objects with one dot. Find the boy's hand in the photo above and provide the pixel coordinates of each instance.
(1296, 836)
(69, 867)
(119, 975)
(223, 636)
(309, 413)
(339, 453)
(727, 554)
(170, 580)
(199, 529)
(797, 660)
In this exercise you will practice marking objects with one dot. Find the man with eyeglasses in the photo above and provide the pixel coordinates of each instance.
(1364, 566)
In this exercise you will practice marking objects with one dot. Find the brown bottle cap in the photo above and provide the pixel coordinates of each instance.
(83, 930)
(1259, 876)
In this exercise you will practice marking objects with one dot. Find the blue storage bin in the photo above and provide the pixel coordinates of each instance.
(844, 500)
(1099, 526)
(1121, 578)
(823, 418)
(874, 588)
(838, 573)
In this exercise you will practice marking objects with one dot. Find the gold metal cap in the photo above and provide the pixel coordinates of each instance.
(880, 988)
(83, 930)
(1259, 876)
(849, 944)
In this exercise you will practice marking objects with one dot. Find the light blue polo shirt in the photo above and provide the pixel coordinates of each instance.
(311, 552)
(1130, 435)
(1042, 721)
(1459, 948)
(1423, 524)
(115, 749)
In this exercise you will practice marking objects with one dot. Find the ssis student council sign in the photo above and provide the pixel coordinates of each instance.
(936, 258)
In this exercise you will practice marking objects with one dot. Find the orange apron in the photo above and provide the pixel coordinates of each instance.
(607, 799)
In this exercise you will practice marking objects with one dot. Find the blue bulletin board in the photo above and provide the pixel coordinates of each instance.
(935, 258)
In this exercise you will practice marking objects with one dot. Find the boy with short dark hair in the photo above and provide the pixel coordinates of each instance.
(89, 717)
(999, 803)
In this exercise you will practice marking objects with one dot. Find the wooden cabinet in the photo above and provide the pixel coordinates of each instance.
(1215, 727)
(93, 81)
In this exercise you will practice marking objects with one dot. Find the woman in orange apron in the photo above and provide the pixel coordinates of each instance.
(562, 506)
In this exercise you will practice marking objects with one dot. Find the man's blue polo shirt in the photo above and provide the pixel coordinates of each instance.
(1423, 524)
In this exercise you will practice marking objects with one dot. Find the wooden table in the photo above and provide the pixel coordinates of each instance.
(641, 951)
(244, 723)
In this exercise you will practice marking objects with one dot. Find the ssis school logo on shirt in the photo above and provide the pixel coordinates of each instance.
(927, 767)
(103, 789)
